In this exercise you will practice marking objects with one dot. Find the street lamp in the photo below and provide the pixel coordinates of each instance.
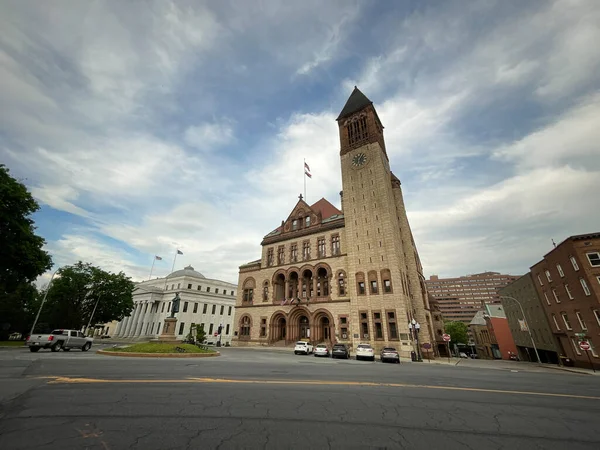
(415, 327)
(43, 301)
(526, 324)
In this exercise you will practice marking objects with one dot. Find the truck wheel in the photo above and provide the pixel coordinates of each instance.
(34, 349)
(56, 347)
(66, 349)
(86, 347)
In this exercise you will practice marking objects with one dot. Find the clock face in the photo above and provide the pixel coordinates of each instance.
(360, 159)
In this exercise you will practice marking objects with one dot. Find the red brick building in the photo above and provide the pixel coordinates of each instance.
(568, 284)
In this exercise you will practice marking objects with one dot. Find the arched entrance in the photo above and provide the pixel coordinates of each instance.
(278, 327)
(324, 330)
(299, 324)
(304, 327)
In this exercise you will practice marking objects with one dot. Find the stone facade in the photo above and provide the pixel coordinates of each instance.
(347, 276)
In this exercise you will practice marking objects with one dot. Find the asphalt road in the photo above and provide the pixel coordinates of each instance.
(267, 399)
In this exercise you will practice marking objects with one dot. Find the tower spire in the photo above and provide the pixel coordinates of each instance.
(355, 102)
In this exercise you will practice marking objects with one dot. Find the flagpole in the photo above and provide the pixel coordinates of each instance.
(304, 172)
(174, 259)
(152, 268)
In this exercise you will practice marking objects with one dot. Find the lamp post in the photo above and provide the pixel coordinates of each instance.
(527, 324)
(415, 327)
(43, 301)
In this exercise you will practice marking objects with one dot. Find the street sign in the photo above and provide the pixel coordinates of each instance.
(446, 337)
(216, 334)
(584, 345)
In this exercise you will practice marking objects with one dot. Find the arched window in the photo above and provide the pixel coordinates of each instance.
(248, 290)
(341, 282)
(245, 326)
(265, 291)
(386, 281)
(360, 283)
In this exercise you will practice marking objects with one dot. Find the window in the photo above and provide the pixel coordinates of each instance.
(263, 327)
(357, 130)
(189, 286)
(585, 287)
(392, 329)
(214, 309)
(364, 325)
(548, 276)
(222, 309)
(597, 315)
(569, 292)
(281, 255)
(581, 321)
(227, 329)
(295, 224)
(593, 349)
(162, 310)
(361, 288)
(185, 306)
(195, 308)
(576, 346)
(248, 295)
(270, 257)
(546, 297)
(560, 271)
(208, 289)
(216, 290)
(181, 325)
(555, 322)
(307, 221)
(540, 280)
(204, 308)
(229, 311)
(294, 253)
(386, 279)
(210, 329)
(306, 250)
(199, 287)
(245, 327)
(565, 318)
(178, 285)
(373, 284)
(172, 286)
(335, 245)
(555, 295)
(321, 247)
(169, 307)
(594, 259)
(574, 262)
(341, 285)
(265, 291)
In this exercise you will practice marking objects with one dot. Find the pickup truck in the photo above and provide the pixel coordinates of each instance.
(59, 339)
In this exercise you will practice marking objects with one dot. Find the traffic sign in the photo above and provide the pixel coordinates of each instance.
(584, 345)
(216, 334)
(446, 337)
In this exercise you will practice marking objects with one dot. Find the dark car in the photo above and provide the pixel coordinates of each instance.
(340, 351)
(389, 354)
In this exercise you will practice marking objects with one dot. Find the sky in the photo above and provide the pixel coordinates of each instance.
(146, 127)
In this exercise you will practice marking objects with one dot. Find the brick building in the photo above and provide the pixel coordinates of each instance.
(351, 275)
(492, 334)
(461, 297)
(524, 291)
(567, 281)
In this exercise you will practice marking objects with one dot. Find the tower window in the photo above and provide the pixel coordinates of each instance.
(357, 130)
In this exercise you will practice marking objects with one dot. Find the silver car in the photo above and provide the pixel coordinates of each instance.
(321, 350)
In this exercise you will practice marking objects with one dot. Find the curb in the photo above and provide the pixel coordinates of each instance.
(564, 369)
(159, 355)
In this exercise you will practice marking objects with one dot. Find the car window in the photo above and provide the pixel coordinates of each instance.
(364, 346)
(321, 346)
(57, 332)
(80, 334)
(389, 349)
(300, 343)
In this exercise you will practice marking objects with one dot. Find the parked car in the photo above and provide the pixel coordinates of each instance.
(463, 355)
(365, 351)
(303, 347)
(60, 339)
(340, 351)
(321, 350)
(389, 354)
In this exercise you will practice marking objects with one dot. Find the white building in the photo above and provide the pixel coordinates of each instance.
(203, 301)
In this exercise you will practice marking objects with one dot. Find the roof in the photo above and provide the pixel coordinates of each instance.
(186, 272)
(479, 319)
(356, 102)
(495, 310)
(325, 208)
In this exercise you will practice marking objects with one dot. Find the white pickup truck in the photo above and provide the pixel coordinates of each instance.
(60, 339)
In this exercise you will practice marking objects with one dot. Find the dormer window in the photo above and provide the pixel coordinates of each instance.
(307, 221)
(295, 224)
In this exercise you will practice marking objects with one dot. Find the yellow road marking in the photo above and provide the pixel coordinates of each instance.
(79, 380)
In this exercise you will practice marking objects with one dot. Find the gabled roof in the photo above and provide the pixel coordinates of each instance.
(356, 102)
(325, 208)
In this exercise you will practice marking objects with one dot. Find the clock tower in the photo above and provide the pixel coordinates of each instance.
(385, 277)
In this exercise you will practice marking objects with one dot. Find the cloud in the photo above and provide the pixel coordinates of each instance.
(209, 136)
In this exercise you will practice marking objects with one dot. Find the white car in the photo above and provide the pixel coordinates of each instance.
(321, 350)
(365, 351)
(303, 347)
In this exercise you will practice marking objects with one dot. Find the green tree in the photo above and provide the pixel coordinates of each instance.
(83, 291)
(458, 331)
(200, 333)
(22, 259)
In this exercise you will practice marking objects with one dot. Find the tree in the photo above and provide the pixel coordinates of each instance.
(22, 259)
(458, 332)
(83, 291)
(200, 334)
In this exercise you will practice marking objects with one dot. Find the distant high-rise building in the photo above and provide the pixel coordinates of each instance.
(460, 298)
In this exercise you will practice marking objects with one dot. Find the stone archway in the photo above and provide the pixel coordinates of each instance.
(303, 327)
(323, 326)
(278, 328)
(299, 324)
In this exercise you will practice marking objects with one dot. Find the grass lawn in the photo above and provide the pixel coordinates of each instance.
(154, 347)
(12, 343)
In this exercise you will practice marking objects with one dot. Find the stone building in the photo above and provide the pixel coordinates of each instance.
(203, 301)
(351, 275)
(567, 280)
(523, 290)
